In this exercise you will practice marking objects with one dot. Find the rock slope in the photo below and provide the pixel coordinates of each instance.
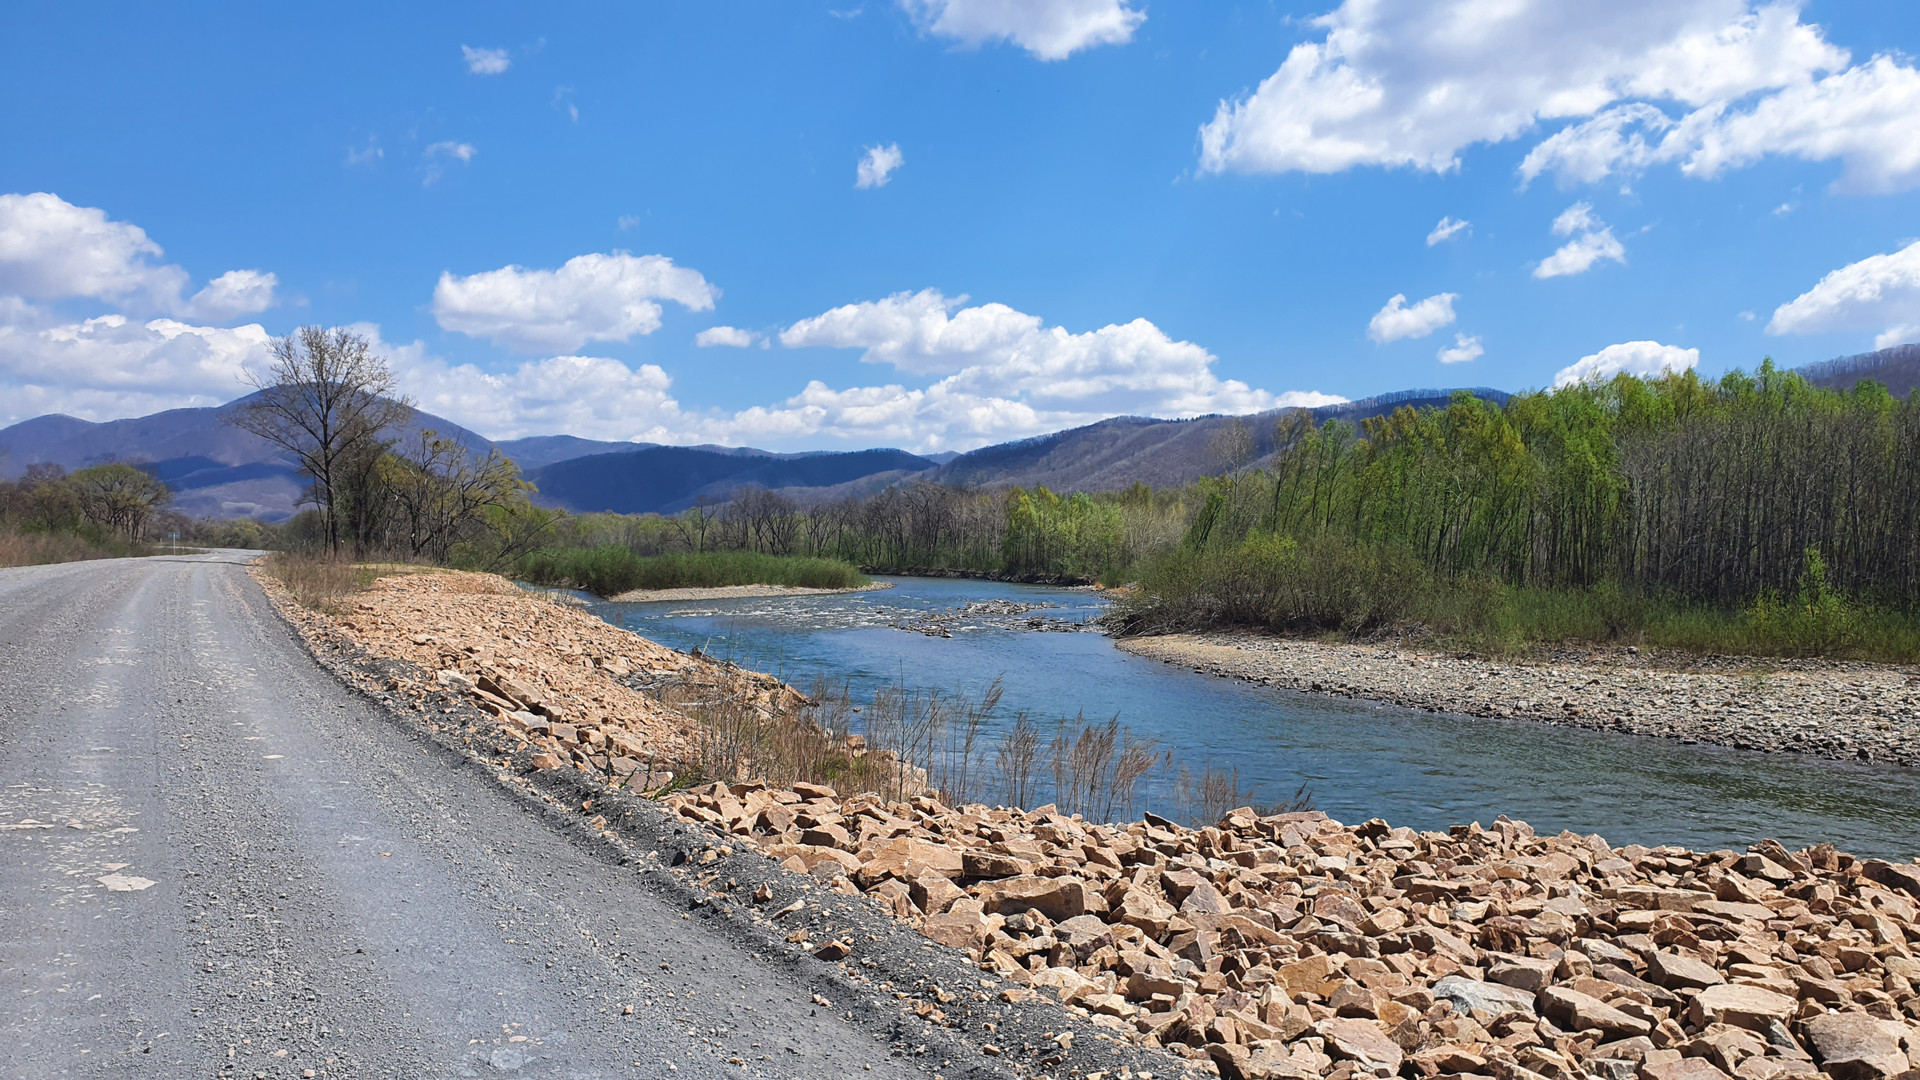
(1295, 946)
(1830, 709)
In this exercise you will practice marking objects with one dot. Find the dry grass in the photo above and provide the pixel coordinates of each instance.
(321, 584)
(41, 548)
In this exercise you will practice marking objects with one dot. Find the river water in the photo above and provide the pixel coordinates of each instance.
(1359, 759)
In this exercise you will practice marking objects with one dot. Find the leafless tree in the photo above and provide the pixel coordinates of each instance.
(326, 398)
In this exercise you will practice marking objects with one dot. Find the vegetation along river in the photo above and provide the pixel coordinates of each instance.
(1359, 759)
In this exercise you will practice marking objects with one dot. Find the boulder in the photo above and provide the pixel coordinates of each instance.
(1674, 971)
(1058, 898)
(1687, 1068)
(1582, 1011)
(1363, 1042)
(1742, 1006)
(1857, 1046)
(1523, 973)
(1483, 999)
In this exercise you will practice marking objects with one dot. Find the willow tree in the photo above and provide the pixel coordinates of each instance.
(329, 400)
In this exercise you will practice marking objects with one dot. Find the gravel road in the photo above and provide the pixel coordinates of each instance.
(216, 860)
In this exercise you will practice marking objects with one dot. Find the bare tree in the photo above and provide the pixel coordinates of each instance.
(1232, 446)
(443, 488)
(327, 398)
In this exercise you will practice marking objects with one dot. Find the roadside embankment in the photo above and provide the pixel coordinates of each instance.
(1834, 709)
(1295, 946)
(559, 678)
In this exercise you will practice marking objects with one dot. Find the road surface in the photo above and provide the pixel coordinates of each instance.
(217, 861)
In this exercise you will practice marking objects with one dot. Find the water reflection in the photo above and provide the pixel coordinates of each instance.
(1361, 759)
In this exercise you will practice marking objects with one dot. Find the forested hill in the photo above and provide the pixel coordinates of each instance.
(1897, 369)
(666, 479)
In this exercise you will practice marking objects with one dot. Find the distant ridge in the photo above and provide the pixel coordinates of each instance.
(665, 479)
(1897, 368)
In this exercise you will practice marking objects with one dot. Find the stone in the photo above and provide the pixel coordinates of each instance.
(1363, 1042)
(1058, 898)
(1142, 909)
(991, 864)
(1523, 973)
(958, 929)
(1673, 971)
(1856, 1046)
(834, 950)
(1687, 1068)
(1742, 1006)
(933, 893)
(544, 761)
(1582, 1011)
(1482, 998)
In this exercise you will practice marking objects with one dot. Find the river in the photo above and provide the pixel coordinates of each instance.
(1359, 759)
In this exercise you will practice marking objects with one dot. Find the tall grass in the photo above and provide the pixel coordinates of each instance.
(904, 742)
(1333, 586)
(609, 571)
(32, 548)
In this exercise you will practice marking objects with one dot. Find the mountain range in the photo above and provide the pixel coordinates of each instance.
(217, 470)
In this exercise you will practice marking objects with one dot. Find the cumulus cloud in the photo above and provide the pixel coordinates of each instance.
(730, 336)
(1880, 293)
(234, 293)
(485, 61)
(999, 370)
(111, 366)
(590, 298)
(1706, 84)
(1397, 320)
(51, 249)
(1463, 350)
(1593, 241)
(1643, 358)
(876, 168)
(1049, 29)
(1448, 228)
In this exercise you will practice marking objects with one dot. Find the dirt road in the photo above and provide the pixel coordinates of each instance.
(216, 860)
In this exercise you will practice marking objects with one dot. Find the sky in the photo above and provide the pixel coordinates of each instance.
(938, 224)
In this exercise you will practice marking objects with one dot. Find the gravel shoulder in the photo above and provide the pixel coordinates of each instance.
(1841, 710)
(734, 592)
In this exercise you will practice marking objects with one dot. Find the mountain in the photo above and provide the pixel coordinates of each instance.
(1113, 454)
(537, 450)
(214, 468)
(670, 478)
(1896, 368)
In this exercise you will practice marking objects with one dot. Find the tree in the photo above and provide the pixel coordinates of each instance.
(118, 498)
(443, 489)
(328, 399)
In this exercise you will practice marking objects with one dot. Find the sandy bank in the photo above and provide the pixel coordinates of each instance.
(734, 592)
(1830, 709)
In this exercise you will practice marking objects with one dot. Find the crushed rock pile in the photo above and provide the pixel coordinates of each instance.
(557, 678)
(1295, 946)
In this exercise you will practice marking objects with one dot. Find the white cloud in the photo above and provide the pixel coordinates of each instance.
(1396, 320)
(365, 155)
(234, 293)
(1000, 373)
(51, 249)
(590, 298)
(1463, 350)
(1448, 228)
(1595, 241)
(628, 222)
(1643, 358)
(1049, 29)
(730, 336)
(1414, 83)
(876, 168)
(1880, 293)
(485, 61)
(112, 366)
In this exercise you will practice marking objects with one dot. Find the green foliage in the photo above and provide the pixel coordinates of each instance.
(609, 571)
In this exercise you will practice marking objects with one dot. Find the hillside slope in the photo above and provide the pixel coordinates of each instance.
(669, 478)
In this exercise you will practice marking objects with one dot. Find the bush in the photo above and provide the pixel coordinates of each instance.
(610, 571)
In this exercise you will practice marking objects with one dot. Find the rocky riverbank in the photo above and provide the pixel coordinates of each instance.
(735, 592)
(1842, 710)
(1294, 946)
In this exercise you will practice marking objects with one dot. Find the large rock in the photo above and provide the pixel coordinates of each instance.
(1058, 898)
(959, 929)
(1582, 1011)
(908, 859)
(1687, 1068)
(1742, 1006)
(1673, 971)
(1523, 973)
(1363, 1042)
(1857, 1046)
(1483, 999)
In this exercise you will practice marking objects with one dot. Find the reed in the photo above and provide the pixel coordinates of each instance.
(611, 570)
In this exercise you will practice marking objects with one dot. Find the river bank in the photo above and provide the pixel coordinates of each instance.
(1283, 946)
(1834, 709)
(735, 592)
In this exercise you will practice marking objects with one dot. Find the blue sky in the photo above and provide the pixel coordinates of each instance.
(1068, 208)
